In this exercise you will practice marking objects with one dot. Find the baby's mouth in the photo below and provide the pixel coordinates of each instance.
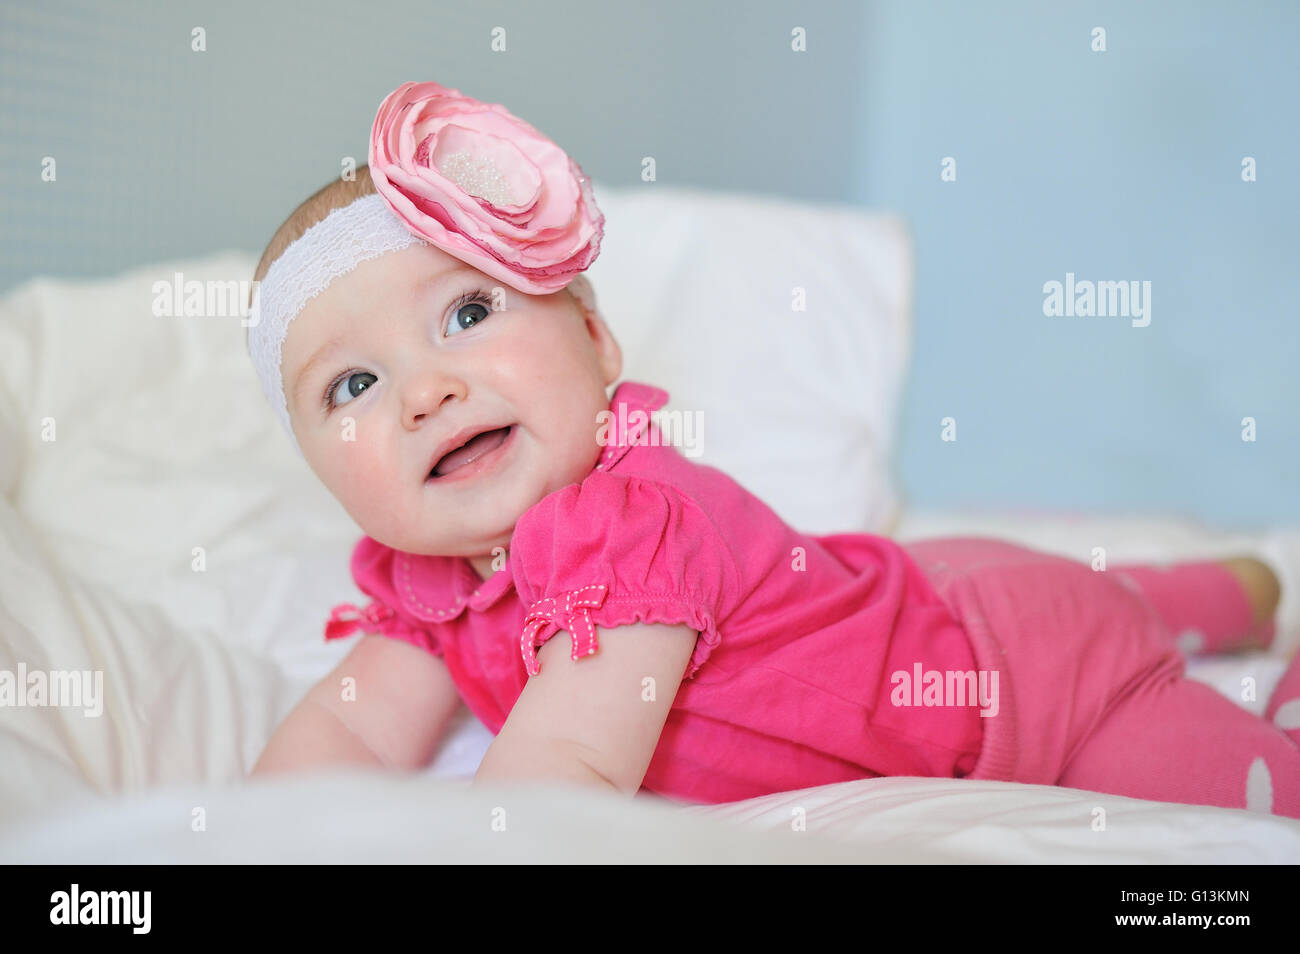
(464, 455)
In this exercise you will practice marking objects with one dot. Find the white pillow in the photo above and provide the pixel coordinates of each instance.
(800, 407)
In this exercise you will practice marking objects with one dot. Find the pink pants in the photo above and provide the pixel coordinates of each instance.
(1091, 677)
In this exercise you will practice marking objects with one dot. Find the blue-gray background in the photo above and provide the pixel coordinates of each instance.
(1115, 166)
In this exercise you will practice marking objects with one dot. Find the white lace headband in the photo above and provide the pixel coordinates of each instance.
(334, 246)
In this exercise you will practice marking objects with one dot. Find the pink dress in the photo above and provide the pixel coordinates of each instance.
(817, 655)
(798, 634)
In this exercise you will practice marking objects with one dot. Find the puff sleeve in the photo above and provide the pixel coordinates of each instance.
(614, 550)
(372, 570)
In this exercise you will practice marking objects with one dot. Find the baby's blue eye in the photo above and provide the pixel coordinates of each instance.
(352, 384)
(471, 310)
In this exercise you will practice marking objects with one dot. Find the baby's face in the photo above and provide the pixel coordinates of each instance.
(404, 354)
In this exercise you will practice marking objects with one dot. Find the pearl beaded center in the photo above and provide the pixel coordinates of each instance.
(478, 176)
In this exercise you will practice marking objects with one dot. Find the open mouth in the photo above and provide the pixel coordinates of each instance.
(471, 457)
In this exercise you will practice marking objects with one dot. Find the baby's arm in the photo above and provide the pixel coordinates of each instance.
(593, 720)
(404, 697)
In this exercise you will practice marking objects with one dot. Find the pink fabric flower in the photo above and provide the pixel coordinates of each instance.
(484, 186)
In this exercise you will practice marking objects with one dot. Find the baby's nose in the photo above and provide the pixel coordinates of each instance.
(425, 396)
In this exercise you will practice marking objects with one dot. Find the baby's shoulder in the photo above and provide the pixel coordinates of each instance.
(727, 502)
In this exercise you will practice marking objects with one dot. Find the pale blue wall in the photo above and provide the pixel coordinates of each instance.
(1116, 165)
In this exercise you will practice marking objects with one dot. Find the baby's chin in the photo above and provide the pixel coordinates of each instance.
(423, 535)
(456, 548)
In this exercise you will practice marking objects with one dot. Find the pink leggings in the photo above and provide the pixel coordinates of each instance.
(1178, 740)
(1093, 677)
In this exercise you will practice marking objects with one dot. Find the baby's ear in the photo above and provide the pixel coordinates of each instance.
(607, 348)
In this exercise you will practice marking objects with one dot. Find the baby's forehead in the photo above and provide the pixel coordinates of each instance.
(384, 285)
(408, 269)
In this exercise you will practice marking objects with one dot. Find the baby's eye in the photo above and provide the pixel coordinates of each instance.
(352, 385)
(468, 312)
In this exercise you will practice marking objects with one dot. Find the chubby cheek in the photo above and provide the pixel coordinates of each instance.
(555, 361)
(363, 481)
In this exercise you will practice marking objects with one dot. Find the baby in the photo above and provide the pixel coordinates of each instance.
(426, 336)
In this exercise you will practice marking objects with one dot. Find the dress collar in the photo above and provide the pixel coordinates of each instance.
(628, 419)
(437, 589)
